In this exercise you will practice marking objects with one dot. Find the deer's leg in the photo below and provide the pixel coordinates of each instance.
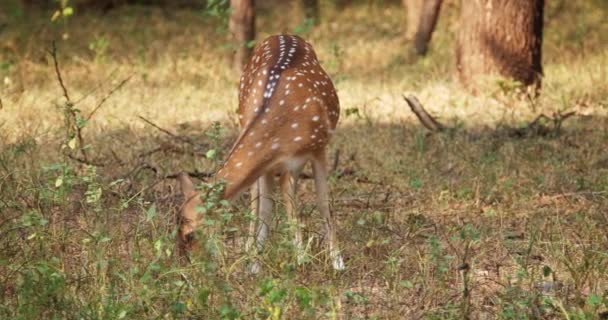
(320, 174)
(255, 207)
(289, 188)
(263, 207)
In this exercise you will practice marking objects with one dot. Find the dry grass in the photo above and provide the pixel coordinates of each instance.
(520, 220)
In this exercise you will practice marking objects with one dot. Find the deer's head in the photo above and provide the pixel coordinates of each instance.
(189, 216)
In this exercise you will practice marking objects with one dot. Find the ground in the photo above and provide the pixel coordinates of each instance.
(492, 218)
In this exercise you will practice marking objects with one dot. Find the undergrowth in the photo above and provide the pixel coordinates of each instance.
(473, 222)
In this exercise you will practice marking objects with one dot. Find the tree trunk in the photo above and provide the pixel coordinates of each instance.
(311, 10)
(500, 37)
(242, 27)
(413, 8)
(426, 25)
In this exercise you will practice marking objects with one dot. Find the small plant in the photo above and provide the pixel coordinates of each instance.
(305, 26)
(62, 14)
(99, 46)
(218, 10)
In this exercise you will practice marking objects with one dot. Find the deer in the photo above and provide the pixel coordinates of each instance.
(288, 111)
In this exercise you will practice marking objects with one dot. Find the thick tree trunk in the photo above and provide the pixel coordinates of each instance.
(500, 37)
(413, 8)
(242, 27)
(311, 10)
(426, 25)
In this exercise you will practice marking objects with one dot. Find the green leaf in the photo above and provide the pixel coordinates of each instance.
(68, 11)
(72, 143)
(151, 213)
(547, 271)
(211, 154)
(58, 182)
(55, 16)
(594, 299)
(158, 245)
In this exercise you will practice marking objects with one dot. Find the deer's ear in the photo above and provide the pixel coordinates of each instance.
(185, 184)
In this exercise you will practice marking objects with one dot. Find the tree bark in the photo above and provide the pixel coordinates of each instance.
(413, 8)
(500, 37)
(426, 25)
(311, 10)
(242, 27)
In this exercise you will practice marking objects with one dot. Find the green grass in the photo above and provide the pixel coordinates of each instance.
(520, 222)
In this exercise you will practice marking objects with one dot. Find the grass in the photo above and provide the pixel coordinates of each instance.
(470, 223)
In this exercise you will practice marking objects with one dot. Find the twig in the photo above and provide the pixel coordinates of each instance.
(466, 291)
(85, 161)
(193, 174)
(53, 53)
(425, 118)
(180, 138)
(73, 117)
(579, 193)
(104, 99)
(141, 166)
(334, 167)
(536, 127)
(106, 79)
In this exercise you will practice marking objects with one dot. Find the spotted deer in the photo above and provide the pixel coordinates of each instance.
(288, 111)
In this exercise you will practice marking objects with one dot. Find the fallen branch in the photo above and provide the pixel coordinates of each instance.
(193, 174)
(85, 161)
(140, 167)
(537, 127)
(425, 118)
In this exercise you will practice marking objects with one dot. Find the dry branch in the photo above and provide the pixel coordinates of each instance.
(536, 127)
(104, 99)
(69, 106)
(425, 118)
(173, 135)
(53, 53)
(193, 174)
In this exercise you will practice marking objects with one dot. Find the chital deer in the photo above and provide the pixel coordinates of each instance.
(288, 110)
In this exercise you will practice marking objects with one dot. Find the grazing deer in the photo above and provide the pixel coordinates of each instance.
(288, 110)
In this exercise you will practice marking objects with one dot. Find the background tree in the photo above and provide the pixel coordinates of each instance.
(413, 8)
(500, 37)
(426, 25)
(311, 10)
(242, 27)
(422, 18)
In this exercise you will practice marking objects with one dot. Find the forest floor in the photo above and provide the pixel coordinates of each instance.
(494, 218)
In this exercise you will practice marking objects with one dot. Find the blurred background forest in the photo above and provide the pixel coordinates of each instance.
(501, 213)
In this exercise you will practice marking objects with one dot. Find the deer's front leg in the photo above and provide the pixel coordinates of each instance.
(289, 189)
(264, 215)
(255, 207)
(320, 173)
